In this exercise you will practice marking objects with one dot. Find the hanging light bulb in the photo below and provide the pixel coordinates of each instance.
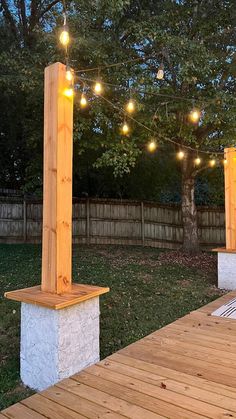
(125, 128)
(83, 101)
(180, 155)
(194, 116)
(160, 73)
(69, 74)
(64, 36)
(98, 88)
(212, 162)
(197, 161)
(152, 145)
(130, 107)
(69, 91)
(224, 161)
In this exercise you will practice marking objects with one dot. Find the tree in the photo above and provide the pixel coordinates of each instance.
(195, 41)
(25, 19)
(27, 45)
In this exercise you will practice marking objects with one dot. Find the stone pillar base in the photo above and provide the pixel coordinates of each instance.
(226, 269)
(56, 344)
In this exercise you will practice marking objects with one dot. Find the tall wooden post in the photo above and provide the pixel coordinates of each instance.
(230, 198)
(44, 363)
(56, 290)
(57, 191)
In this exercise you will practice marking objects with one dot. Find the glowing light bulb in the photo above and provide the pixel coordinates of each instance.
(180, 155)
(125, 128)
(130, 107)
(83, 101)
(152, 145)
(160, 74)
(197, 161)
(69, 74)
(69, 92)
(225, 162)
(212, 162)
(194, 116)
(64, 37)
(98, 88)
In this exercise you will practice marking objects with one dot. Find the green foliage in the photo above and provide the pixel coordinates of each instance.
(121, 156)
(194, 40)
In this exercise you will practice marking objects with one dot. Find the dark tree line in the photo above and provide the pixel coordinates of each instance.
(195, 42)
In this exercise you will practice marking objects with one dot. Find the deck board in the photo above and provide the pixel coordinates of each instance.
(185, 370)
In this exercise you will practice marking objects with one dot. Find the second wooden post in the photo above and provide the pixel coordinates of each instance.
(57, 190)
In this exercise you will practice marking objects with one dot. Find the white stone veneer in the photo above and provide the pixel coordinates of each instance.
(227, 270)
(56, 344)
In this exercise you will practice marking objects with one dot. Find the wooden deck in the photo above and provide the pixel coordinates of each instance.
(185, 370)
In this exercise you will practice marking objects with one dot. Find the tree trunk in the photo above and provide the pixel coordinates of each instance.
(189, 210)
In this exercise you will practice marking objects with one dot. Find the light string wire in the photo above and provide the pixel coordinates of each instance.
(104, 67)
(193, 100)
(154, 132)
(83, 80)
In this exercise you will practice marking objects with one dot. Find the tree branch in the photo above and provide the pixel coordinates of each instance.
(48, 8)
(23, 18)
(8, 16)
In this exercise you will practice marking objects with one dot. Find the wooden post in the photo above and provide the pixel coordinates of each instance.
(25, 220)
(56, 290)
(88, 220)
(57, 191)
(230, 198)
(44, 363)
(142, 223)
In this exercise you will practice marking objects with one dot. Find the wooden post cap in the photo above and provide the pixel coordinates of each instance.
(78, 294)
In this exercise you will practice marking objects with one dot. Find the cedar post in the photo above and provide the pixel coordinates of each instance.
(55, 345)
(230, 198)
(56, 290)
(227, 256)
(57, 191)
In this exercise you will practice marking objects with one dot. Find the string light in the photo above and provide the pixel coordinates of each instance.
(130, 107)
(98, 88)
(197, 161)
(64, 36)
(125, 128)
(152, 146)
(83, 101)
(224, 162)
(194, 116)
(69, 91)
(180, 155)
(212, 162)
(69, 74)
(160, 73)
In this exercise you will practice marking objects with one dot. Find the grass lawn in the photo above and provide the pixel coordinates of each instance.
(149, 288)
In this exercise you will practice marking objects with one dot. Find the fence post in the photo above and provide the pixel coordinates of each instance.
(142, 223)
(88, 220)
(24, 220)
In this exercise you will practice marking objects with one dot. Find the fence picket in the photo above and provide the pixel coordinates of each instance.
(112, 221)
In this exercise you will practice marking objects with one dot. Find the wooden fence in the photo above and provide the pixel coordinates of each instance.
(113, 222)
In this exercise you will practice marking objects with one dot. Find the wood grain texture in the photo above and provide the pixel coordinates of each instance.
(19, 411)
(57, 189)
(77, 294)
(179, 372)
(84, 405)
(230, 197)
(50, 409)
